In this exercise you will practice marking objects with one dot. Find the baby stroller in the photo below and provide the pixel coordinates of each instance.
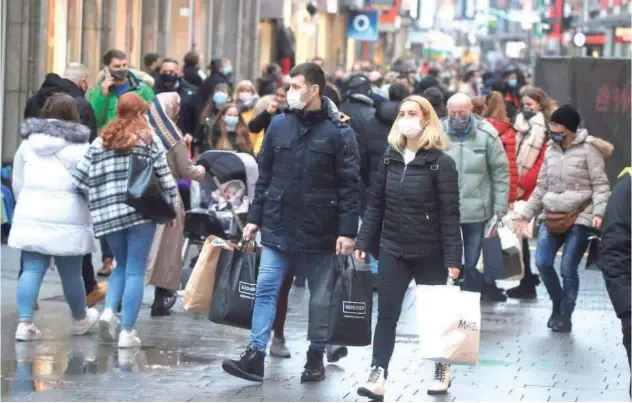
(226, 195)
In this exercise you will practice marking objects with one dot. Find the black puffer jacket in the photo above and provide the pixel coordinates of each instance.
(53, 84)
(416, 206)
(360, 110)
(307, 192)
(375, 141)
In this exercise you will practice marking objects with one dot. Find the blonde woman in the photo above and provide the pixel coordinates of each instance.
(246, 98)
(414, 203)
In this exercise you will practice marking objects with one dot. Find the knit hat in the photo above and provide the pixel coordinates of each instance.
(567, 116)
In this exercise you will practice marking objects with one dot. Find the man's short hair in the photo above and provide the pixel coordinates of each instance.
(113, 54)
(313, 74)
(398, 92)
(434, 72)
(170, 60)
(150, 58)
(192, 59)
(75, 71)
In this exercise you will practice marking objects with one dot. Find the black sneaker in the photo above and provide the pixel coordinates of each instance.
(314, 368)
(491, 293)
(555, 314)
(249, 366)
(335, 353)
(523, 292)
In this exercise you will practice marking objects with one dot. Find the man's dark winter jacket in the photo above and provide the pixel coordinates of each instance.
(192, 75)
(360, 109)
(614, 256)
(375, 140)
(54, 84)
(187, 119)
(307, 192)
(416, 208)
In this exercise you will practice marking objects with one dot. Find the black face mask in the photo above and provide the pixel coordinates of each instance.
(528, 113)
(169, 79)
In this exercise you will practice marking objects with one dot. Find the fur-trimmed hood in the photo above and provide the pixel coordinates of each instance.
(582, 136)
(48, 136)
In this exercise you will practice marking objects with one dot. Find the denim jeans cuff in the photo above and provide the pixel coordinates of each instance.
(320, 347)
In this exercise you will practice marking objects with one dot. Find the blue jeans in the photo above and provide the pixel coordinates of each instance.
(575, 242)
(34, 268)
(131, 248)
(473, 235)
(274, 265)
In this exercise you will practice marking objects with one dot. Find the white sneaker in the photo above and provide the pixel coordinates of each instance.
(374, 388)
(127, 359)
(26, 332)
(129, 339)
(441, 380)
(82, 326)
(108, 323)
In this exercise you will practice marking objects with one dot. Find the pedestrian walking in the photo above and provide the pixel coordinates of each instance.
(270, 76)
(220, 97)
(171, 80)
(414, 212)
(436, 98)
(469, 85)
(306, 205)
(221, 73)
(53, 145)
(531, 139)
(117, 80)
(101, 177)
(278, 105)
(484, 185)
(614, 254)
(229, 132)
(164, 268)
(573, 191)
(246, 98)
(191, 70)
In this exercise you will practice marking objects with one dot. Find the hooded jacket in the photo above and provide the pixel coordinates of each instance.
(570, 177)
(50, 217)
(105, 105)
(360, 109)
(307, 193)
(375, 141)
(508, 138)
(54, 84)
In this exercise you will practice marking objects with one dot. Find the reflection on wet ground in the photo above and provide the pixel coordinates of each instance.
(38, 366)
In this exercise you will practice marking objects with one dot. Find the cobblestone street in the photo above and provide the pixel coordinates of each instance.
(520, 360)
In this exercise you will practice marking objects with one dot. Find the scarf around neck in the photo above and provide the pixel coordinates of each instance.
(164, 127)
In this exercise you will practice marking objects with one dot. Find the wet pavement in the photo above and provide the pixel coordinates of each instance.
(520, 360)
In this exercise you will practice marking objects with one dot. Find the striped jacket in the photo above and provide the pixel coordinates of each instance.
(101, 177)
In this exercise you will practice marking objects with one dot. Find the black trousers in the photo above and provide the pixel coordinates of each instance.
(394, 275)
(105, 249)
(529, 279)
(87, 272)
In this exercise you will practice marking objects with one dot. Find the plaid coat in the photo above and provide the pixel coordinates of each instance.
(101, 177)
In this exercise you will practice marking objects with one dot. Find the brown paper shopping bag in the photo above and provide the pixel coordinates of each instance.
(199, 290)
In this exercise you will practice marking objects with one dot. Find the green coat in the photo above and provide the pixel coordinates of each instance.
(105, 105)
(483, 171)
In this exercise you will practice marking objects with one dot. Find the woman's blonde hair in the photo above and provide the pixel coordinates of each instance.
(432, 136)
(244, 85)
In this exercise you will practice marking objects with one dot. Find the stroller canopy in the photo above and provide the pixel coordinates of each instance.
(229, 165)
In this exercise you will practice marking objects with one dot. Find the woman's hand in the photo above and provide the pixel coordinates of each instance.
(597, 221)
(520, 225)
(520, 192)
(171, 224)
(360, 255)
(453, 273)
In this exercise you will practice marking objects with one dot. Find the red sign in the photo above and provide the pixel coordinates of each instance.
(615, 100)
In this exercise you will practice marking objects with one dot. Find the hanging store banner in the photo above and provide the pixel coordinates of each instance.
(363, 25)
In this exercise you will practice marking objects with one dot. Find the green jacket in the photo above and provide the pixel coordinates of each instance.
(105, 105)
(483, 171)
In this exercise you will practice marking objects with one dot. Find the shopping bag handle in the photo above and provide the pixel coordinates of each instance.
(450, 281)
(243, 245)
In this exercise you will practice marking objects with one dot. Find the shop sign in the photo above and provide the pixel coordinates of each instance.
(362, 25)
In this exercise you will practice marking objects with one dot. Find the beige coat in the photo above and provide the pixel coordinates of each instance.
(570, 177)
(164, 266)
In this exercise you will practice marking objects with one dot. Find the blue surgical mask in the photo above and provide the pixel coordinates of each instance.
(459, 125)
(231, 122)
(220, 98)
(228, 70)
(557, 137)
(513, 83)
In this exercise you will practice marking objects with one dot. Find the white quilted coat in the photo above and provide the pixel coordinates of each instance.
(50, 217)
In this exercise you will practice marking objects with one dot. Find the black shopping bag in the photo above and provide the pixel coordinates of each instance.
(493, 258)
(341, 306)
(235, 287)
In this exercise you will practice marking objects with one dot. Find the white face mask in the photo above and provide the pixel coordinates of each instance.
(294, 100)
(409, 127)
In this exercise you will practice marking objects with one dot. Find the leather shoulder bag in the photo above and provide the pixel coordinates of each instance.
(559, 223)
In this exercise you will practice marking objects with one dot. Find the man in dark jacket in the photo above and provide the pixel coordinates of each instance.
(191, 70)
(306, 204)
(221, 72)
(170, 80)
(614, 257)
(75, 84)
(358, 104)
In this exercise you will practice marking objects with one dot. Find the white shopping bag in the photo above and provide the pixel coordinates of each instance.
(196, 195)
(519, 207)
(449, 324)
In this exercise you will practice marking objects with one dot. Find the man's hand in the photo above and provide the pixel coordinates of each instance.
(273, 107)
(597, 221)
(187, 139)
(250, 232)
(453, 273)
(360, 255)
(344, 245)
(107, 82)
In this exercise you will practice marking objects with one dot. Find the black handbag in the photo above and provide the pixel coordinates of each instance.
(144, 193)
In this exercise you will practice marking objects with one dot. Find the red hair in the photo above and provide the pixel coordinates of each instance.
(130, 125)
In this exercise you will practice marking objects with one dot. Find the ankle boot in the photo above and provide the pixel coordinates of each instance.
(555, 314)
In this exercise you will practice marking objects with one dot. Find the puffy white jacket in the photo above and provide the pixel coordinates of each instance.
(50, 216)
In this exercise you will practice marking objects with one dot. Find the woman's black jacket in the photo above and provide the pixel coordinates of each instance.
(414, 209)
